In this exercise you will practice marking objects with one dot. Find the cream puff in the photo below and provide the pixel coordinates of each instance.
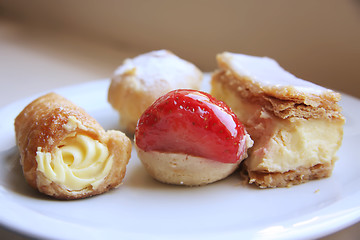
(138, 82)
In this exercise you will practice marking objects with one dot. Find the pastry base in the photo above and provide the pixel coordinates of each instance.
(287, 179)
(183, 169)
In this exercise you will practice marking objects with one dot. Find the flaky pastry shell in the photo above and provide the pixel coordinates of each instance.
(89, 160)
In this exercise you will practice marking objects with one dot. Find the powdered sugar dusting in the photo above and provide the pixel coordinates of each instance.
(267, 72)
(159, 65)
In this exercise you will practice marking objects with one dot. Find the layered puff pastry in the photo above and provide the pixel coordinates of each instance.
(297, 126)
(65, 153)
(139, 81)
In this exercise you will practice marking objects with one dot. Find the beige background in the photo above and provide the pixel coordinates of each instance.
(46, 43)
(315, 40)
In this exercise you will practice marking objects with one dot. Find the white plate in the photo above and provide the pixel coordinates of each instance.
(144, 208)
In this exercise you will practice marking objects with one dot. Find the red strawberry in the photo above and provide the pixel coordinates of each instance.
(194, 123)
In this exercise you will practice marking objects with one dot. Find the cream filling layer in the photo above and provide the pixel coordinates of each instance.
(76, 163)
(281, 145)
(290, 144)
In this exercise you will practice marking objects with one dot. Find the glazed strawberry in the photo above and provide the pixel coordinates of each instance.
(193, 123)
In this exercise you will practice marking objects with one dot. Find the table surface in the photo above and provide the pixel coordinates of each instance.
(33, 61)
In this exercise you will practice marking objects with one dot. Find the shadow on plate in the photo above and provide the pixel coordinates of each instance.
(13, 177)
(138, 178)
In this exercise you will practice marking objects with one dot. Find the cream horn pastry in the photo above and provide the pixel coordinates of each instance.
(65, 153)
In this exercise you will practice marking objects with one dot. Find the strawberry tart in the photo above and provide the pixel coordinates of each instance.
(186, 137)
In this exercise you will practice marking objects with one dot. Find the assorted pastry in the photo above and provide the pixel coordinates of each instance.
(297, 126)
(139, 81)
(187, 137)
(65, 153)
(276, 129)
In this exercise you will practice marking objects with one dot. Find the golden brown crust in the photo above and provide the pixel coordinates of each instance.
(287, 179)
(41, 124)
(285, 106)
(280, 88)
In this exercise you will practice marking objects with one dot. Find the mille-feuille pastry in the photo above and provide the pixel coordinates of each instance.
(138, 82)
(187, 137)
(65, 153)
(297, 126)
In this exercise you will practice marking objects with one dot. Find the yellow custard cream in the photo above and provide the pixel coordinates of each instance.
(78, 162)
(281, 145)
